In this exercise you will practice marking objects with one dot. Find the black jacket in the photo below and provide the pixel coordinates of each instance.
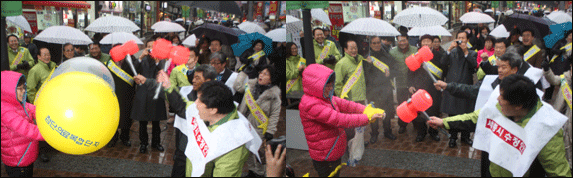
(460, 69)
(145, 108)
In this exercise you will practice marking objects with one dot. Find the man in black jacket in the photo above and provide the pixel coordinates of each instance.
(379, 88)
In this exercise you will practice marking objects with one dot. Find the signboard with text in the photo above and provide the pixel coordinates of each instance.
(336, 18)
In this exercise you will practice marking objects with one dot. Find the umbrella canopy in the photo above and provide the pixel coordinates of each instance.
(190, 41)
(111, 24)
(230, 7)
(476, 17)
(158, 24)
(169, 27)
(559, 17)
(246, 41)
(420, 17)
(251, 27)
(120, 37)
(320, 15)
(437, 30)
(277, 35)
(293, 24)
(21, 22)
(371, 27)
(225, 34)
(488, 10)
(500, 32)
(522, 21)
(63, 35)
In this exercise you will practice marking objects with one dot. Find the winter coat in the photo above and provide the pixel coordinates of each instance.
(27, 57)
(252, 67)
(488, 52)
(343, 71)
(324, 119)
(20, 135)
(145, 108)
(124, 92)
(269, 101)
(379, 88)
(292, 72)
(420, 79)
(402, 74)
(460, 70)
(332, 51)
(536, 59)
(36, 77)
(178, 76)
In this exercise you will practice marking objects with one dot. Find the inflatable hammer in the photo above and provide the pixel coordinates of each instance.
(420, 58)
(163, 49)
(420, 102)
(125, 51)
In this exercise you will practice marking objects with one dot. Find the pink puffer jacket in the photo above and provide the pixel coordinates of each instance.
(20, 135)
(324, 121)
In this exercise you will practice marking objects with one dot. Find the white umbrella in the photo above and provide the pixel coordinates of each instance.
(476, 17)
(158, 24)
(21, 22)
(63, 35)
(120, 37)
(508, 12)
(559, 17)
(320, 15)
(169, 27)
(277, 35)
(420, 17)
(499, 32)
(179, 20)
(371, 27)
(251, 27)
(437, 30)
(110, 24)
(190, 41)
(488, 10)
(294, 25)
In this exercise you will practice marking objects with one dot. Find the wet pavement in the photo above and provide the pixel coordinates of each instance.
(120, 161)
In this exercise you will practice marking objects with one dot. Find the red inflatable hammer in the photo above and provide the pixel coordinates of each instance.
(119, 53)
(163, 49)
(420, 102)
(415, 61)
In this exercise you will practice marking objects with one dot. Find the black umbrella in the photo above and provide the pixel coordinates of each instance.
(227, 35)
(230, 7)
(522, 21)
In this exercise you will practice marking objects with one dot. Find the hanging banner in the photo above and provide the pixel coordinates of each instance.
(11, 8)
(259, 14)
(336, 18)
(273, 10)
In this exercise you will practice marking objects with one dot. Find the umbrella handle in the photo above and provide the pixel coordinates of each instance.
(161, 83)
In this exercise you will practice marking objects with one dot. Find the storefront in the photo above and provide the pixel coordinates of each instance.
(44, 14)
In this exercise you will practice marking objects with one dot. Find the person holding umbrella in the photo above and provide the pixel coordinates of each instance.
(531, 53)
(253, 59)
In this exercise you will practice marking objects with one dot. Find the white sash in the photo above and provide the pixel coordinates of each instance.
(485, 90)
(231, 80)
(204, 146)
(511, 146)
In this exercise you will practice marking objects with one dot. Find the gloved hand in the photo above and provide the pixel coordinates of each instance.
(24, 65)
(545, 65)
(370, 111)
(330, 59)
(268, 136)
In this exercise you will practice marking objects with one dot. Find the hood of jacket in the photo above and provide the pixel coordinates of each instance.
(314, 79)
(9, 85)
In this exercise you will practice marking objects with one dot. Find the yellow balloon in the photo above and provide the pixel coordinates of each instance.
(77, 113)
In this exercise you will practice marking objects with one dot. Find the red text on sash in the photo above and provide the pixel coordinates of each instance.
(505, 135)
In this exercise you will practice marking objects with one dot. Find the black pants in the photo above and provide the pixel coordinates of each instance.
(20, 171)
(125, 129)
(325, 168)
(485, 164)
(421, 127)
(179, 157)
(155, 132)
(388, 107)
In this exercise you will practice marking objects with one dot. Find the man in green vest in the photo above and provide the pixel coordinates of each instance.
(95, 52)
(400, 54)
(19, 57)
(39, 73)
(325, 51)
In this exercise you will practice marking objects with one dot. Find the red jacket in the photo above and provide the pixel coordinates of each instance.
(20, 135)
(324, 121)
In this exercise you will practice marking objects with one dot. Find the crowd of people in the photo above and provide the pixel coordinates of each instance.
(213, 78)
(341, 84)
